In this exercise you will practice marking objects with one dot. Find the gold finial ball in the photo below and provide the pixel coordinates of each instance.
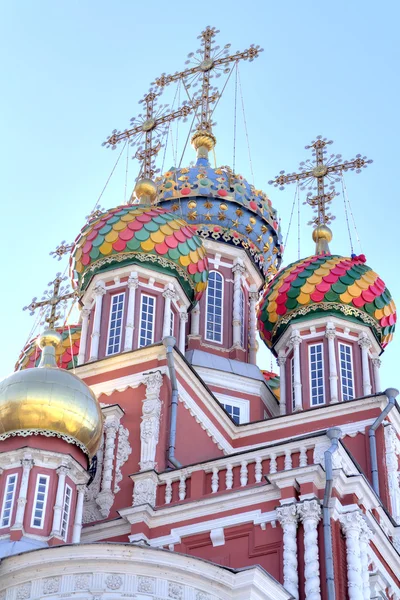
(203, 139)
(322, 232)
(146, 188)
(49, 338)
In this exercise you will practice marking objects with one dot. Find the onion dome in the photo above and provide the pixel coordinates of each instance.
(223, 206)
(141, 234)
(326, 284)
(273, 382)
(51, 402)
(66, 352)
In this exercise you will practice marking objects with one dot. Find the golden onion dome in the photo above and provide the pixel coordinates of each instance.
(50, 401)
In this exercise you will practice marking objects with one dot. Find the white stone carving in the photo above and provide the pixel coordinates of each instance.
(365, 536)
(175, 590)
(105, 498)
(168, 491)
(82, 582)
(182, 486)
(146, 585)
(150, 425)
(214, 480)
(330, 334)
(243, 473)
(392, 444)
(365, 344)
(294, 342)
(272, 463)
(145, 491)
(114, 582)
(258, 469)
(281, 360)
(352, 523)
(51, 585)
(229, 477)
(288, 518)
(23, 591)
(309, 513)
(124, 449)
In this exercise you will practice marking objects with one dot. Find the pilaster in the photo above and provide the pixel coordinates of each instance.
(150, 425)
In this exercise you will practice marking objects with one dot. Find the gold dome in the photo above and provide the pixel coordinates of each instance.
(146, 189)
(50, 401)
(322, 235)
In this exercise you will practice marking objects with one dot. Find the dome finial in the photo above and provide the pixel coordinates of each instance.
(48, 342)
(322, 235)
(203, 142)
(146, 191)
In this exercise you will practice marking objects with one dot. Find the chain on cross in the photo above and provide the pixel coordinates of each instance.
(52, 299)
(320, 176)
(212, 60)
(147, 130)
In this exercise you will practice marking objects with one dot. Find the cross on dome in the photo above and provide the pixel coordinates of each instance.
(51, 300)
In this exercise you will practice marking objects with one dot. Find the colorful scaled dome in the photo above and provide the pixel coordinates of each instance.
(51, 402)
(141, 234)
(224, 206)
(326, 283)
(66, 352)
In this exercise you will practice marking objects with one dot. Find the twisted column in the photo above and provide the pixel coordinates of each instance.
(76, 533)
(85, 312)
(330, 334)
(351, 524)
(150, 425)
(133, 283)
(365, 343)
(183, 318)
(365, 536)
(27, 464)
(98, 293)
(281, 360)
(288, 518)
(253, 299)
(169, 295)
(62, 473)
(105, 498)
(309, 513)
(238, 270)
(294, 342)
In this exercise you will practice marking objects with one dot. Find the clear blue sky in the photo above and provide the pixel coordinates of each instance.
(73, 71)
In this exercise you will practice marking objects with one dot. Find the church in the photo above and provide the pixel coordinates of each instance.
(143, 452)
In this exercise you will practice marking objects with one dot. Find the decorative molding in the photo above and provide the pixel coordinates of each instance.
(124, 449)
(150, 423)
(288, 519)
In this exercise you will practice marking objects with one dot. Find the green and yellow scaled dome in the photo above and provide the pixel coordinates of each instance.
(140, 234)
(326, 284)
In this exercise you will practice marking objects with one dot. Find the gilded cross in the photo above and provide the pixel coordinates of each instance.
(51, 299)
(200, 70)
(61, 249)
(320, 173)
(147, 129)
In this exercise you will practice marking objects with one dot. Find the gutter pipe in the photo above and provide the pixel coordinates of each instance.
(334, 434)
(169, 343)
(391, 394)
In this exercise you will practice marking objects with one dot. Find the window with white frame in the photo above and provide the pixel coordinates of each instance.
(346, 371)
(316, 374)
(39, 501)
(66, 512)
(233, 412)
(8, 500)
(147, 313)
(242, 321)
(214, 305)
(236, 408)
(115, 324)
(171, 323)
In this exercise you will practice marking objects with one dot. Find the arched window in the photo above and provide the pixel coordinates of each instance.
(214, 303)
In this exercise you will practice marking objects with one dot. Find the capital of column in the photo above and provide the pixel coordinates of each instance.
(239, 268)
(287, 515)
(352, 522)
(133, 281)
(281, 361)
(85, 312)
(81, 488)
(168, 293)
(253, 296)
(364, 341)
(153, 383)
(330, 331)
(62, 470)
(27, 463)
(295, 339)
(99, 289)
(183, 316)
(366, 533)
(309, 510)
(377, 363)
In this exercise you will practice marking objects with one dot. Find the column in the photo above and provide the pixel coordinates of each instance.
(150, 425)
(392, 450)
(133, 283)
(377, 375)
(238, 270)
(98, 293)
(281, 360)
(365, 536)
(169, 295)
(183, 318)
(62, 472)
(27, 464)
(85, 312)
(330, 334)
(105, 498)
(195, 321)
(309, 513)
(76, 533)
(287, 516)
(253, 299)
(351, 525)
(294, 342)
(365, 343)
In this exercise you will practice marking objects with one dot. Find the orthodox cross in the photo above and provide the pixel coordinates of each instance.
(212, 58)
(61, 249)
(313, 176)
(147, 129)
(51, 300)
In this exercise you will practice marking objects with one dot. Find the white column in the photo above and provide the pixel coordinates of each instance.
(27, 464)
(169, 295)
(238, 270)
(365, 536)
(281, 360)
(365, 343)
(330, 334)
(183, 317)
(351, 525)
(377, 375)
(98, 294)
(295, 341)
(62, 472)
(392, 451)
(105, 498)
(133, 283)
(76, 533)
(195, 321)
(84, 331)
(309, 513)
(150, 425)
(287, 516)
(253, 299)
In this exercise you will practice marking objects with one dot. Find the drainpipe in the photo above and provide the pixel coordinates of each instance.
(334, 434)
(391, 394)
(169, 343)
